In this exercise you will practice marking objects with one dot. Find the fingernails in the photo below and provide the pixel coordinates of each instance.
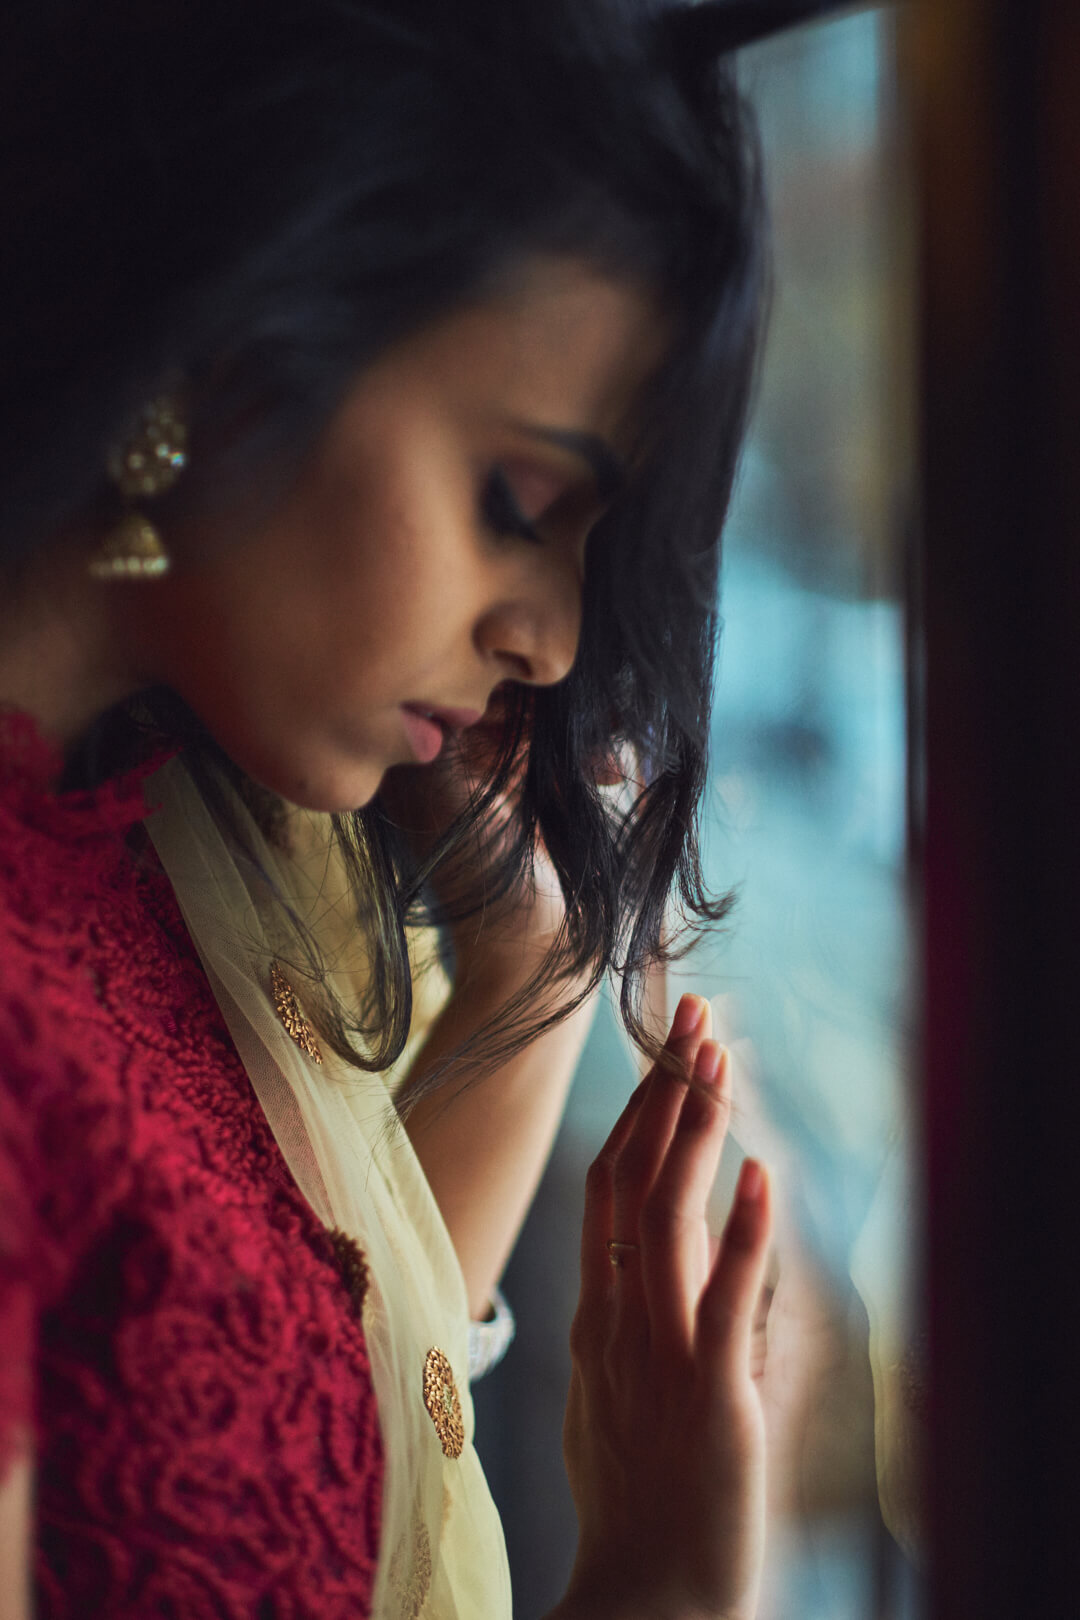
(688, 1015)
(707, 1063)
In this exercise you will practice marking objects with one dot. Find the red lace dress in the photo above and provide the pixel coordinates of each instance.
(174, 1330)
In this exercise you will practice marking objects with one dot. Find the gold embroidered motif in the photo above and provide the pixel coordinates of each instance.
(352, 1265)
(288, 1010)
(412, 1587)
(441, 1400)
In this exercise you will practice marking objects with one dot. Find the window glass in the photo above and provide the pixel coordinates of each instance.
(806, 818)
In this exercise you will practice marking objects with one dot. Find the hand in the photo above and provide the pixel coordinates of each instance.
(664, 1435)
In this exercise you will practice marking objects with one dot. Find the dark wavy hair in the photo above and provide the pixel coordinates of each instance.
(259, 199)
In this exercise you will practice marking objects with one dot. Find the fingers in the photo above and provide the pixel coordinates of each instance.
(674, 1237)
(599, 1199)
(643, 1151)
(726, 1312)
(601, 1216)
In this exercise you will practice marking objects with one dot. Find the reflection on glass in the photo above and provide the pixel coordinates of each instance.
(810, 982)
(808, 799)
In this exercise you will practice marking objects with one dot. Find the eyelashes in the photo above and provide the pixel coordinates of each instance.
(501, 512)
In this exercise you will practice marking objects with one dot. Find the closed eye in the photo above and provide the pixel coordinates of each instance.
(501, 512)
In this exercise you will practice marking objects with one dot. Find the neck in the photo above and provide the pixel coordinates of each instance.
(59, 653)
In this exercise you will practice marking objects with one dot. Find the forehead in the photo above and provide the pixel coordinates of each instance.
(559, 343)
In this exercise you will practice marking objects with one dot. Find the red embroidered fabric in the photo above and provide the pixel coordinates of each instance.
(174, 1331)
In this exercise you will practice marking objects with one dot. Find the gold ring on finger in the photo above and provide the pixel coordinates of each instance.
(617, 1252)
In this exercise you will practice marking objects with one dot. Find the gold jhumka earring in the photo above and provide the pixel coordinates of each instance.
(147, 463)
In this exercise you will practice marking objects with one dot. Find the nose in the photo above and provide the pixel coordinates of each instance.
(531, 630)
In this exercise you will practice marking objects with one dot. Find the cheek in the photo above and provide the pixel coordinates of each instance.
(290, 603)
(277, 687)
(296, 645)
(243, 640)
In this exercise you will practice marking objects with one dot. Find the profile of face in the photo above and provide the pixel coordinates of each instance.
(432, 550)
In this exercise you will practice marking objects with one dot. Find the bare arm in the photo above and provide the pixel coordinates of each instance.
(16, 1494)
(484, 1144)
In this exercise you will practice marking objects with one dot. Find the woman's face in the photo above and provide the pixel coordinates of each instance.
(433, 549)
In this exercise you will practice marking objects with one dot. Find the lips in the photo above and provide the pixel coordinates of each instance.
(454, 720)
(425, 735)
(427, 728)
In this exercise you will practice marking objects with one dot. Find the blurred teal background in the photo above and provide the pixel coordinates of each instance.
(806, 818)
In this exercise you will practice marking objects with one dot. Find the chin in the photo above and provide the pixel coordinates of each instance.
(326, 783)
(335, 793)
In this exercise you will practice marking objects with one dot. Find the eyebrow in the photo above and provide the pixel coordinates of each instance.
(607, 468)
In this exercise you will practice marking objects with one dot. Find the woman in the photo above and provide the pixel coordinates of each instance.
(374, 377)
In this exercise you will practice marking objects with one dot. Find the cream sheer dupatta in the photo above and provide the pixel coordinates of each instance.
(442, 1553)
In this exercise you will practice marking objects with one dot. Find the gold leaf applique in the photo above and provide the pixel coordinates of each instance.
(411, 1586)
(443, 1404)
(288, 1010)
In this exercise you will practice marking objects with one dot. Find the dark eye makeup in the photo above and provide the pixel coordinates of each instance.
(501, 512)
